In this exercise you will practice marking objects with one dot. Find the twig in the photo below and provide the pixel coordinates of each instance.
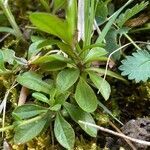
(115, 133)
(23, 96)
(118, 130)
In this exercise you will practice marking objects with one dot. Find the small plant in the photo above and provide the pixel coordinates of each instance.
(59, 69)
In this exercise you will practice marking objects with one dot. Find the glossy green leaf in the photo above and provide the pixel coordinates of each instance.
(102, 85)
(95, 54)
(28, 111)
(34, 81)
(41, 97)
(78, 114)
(29, 129)
(66, 78)
(85, 96)
(50, 24)
(64, 133)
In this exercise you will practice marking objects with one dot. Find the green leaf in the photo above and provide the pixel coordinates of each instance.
(7, 29)
(85, 96)
(64, 133)
(109, 73)
(8, 55)
(41, 97)
(29, 129)
(2, 66)
(71, 18)
(110, 22)
(50, 58)
(50, 24)
(95, 54)
(102, 85)
(59, 4)
(61, 98)
(130, 13)
(53, 66)
(112, 43)
(66, 78)
(28, 111)
(78, 114)
(137, 66)
(34, 81)
(102, 11)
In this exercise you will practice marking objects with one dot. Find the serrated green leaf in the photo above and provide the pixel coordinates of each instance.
(102, 85)
(85, 96)
(27, 130)
(78, 114)
(137, 66)
(28, 111)
(41, 97)
(66, 78)
(95, 54)
(51, 24)
(34, 81)
(64, 133)
(130, 13)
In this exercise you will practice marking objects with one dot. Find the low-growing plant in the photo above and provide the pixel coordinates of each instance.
(59, 69)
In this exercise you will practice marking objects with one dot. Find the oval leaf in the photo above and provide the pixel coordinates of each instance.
(34, 81)
(50, 24)
(102, 85)
(28, 111)
(64, 133)
(50, 58)
(41, 97)
(95, 54)
(78, 114)
(85, 96)
(66, 78)
(27, 131)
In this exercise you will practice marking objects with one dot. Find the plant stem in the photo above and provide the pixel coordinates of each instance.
(136, 46)
(7, 128)
(6, 9)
